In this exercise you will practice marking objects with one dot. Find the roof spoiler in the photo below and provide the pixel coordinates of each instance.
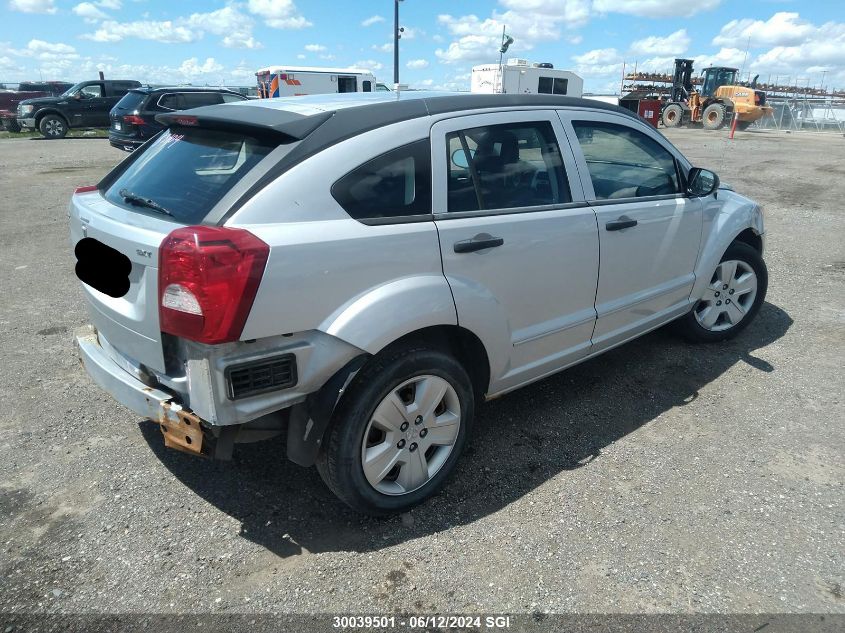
(257, 121)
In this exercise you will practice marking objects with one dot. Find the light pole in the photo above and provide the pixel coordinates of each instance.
(397, 35)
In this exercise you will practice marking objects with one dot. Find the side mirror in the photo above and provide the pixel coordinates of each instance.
(701, 182)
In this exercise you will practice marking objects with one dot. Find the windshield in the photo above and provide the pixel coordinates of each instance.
(187, 171)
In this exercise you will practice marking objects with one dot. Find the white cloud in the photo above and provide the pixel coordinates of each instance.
(191, 67)
(528, 21)
(369, 64)
(33, 6)
(314, 48)
(383, 48)
(375, 19)
(782, 29)
(599, 61)
(727, 56)
(417, 63)
(109, 4)
(90, 11)
(36, 47)
(279, 14)
(300, 56)
(654, 8)
(165, 31)
(675, 44)
(232, 25)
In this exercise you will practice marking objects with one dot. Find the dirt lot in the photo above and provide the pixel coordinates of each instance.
(659, 477)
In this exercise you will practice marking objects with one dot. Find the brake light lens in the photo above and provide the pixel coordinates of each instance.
(207, 280)
(85, 189)
(133, 119)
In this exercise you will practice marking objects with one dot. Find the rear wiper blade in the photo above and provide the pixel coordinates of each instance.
(133, 198)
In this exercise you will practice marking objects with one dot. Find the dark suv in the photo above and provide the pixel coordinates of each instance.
(133, 118)
(86, 104)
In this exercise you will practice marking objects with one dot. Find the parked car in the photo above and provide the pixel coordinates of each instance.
(86, 105)
(133, 118)
(9, 99)
(360, 271)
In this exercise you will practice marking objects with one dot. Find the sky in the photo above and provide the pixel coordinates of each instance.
(223, 42)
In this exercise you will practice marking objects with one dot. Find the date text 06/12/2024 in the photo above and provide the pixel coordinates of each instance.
(422, 622)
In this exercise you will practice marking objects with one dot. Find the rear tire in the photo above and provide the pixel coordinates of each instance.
(714, 116)
(673, 115)
(732, 299)
(52, 127)
(379, 455)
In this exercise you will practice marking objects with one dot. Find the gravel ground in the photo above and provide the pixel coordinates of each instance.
(660, 477)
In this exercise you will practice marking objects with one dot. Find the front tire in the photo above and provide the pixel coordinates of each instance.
(732, 299)
(714, 115)
(53, 127)
(398, 431)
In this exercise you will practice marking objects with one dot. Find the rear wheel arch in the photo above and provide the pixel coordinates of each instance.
(464, 345)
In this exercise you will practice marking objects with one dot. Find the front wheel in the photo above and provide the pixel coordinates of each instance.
(398, 431)
(53, 127)
(714, 116)
(732, 299)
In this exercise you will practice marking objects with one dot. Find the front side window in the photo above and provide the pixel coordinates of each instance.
(624, 162)
(91, 92)
(505, 166)
(394, 185)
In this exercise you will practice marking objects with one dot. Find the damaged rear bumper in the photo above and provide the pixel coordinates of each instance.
(181, 428)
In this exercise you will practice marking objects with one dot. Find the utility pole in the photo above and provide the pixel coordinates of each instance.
(397, 34)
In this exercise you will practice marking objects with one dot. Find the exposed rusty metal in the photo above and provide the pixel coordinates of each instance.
(182, 430)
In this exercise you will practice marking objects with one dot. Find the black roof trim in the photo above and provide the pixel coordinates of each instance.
(320, 131)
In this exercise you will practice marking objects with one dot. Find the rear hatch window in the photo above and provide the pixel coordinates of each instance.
(131, 101)
(184, 173)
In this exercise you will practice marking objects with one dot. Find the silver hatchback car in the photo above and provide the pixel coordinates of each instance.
(359, 271)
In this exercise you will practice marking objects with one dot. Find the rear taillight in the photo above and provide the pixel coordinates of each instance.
(85, 189)
(207, 280)
(133, 119)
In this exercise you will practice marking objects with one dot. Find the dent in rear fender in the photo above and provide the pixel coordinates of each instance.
(388, 312)
(724, 219)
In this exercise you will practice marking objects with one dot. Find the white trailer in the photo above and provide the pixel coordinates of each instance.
(519, 76)
(292, 81)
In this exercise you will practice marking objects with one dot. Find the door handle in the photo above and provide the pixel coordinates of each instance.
(623, 222)
(478, 243)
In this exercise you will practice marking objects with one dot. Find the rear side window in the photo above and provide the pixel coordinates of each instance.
(187, 171)
(394, 185)
(197, 99)
(505, 166)
(624, 162)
